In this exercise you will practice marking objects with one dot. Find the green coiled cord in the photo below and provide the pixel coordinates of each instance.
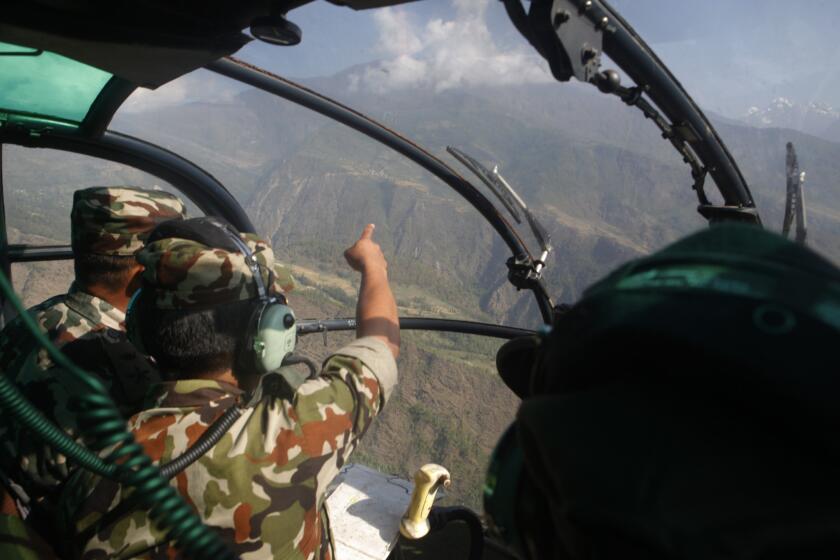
(13, 402)
(104, 427)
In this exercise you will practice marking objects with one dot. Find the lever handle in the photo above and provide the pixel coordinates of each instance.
(427, 480)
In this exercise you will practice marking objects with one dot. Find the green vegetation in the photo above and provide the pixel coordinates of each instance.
(443, 437)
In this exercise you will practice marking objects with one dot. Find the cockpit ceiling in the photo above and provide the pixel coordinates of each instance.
(141, 64)
(146, 43)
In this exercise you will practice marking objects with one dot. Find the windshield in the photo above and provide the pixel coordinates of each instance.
(594, 172)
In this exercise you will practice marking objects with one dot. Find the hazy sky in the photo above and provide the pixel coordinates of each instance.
(729, 54)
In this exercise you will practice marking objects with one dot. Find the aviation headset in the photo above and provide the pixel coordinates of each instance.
(731, 331)
(271, 332)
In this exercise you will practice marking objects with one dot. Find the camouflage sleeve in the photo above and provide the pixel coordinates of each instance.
(367, 369)
(334, 410)
(376, 358)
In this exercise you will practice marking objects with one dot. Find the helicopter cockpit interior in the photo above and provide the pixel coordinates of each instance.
(481, 255)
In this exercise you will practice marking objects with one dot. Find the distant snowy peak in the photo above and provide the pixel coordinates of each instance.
(782, 103)
(824, 109)
(783, 112)
(819, 119)
(758, 116)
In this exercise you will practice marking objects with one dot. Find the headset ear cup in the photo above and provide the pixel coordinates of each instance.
(275, 336)
(248, 357)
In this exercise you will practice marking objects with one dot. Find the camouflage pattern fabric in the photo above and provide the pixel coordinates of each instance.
(263, 485)
(117, 220)
(19, 542)
(64, 318)
(88, 329)
(187, 274)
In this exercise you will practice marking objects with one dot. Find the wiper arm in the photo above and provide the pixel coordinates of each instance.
(510, 199)
(491, 178)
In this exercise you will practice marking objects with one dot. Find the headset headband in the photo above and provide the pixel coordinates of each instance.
(251, 261)
(215, 232)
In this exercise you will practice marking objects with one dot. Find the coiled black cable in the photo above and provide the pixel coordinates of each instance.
(205, 442)
(221, 425)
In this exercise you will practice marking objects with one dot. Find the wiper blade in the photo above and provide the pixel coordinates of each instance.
(543, 238)
(490, 178)
(510, 199)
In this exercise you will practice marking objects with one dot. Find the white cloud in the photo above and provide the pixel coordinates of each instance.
(198, 86)
(397, 35)
(166, 95)
(445, 53)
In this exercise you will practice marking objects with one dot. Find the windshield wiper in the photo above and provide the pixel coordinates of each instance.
(502, 190)
(510, 199)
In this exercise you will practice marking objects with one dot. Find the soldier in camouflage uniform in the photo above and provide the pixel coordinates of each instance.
(108, 226)
(262, 486)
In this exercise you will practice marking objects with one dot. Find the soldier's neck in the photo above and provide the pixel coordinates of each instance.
(225, 376)
(118, 299)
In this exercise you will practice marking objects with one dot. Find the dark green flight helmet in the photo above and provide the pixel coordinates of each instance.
(687, 407)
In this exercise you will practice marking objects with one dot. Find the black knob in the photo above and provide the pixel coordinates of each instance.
(608, 81)
(560, 18)
(289, 321)
(588, 54)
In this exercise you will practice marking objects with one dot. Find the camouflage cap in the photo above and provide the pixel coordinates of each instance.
(187, 274)
(117, 220)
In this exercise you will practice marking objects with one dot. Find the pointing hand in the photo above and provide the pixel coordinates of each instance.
(366, 255)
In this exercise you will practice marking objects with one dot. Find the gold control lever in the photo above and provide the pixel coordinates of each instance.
(427, 480)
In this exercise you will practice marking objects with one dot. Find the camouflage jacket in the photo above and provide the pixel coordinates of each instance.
(64, 318)
(263, 485)
(90, 331)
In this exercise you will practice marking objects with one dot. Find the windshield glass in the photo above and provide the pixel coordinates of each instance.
(595, 172)
(38, 187)
(751, 67)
